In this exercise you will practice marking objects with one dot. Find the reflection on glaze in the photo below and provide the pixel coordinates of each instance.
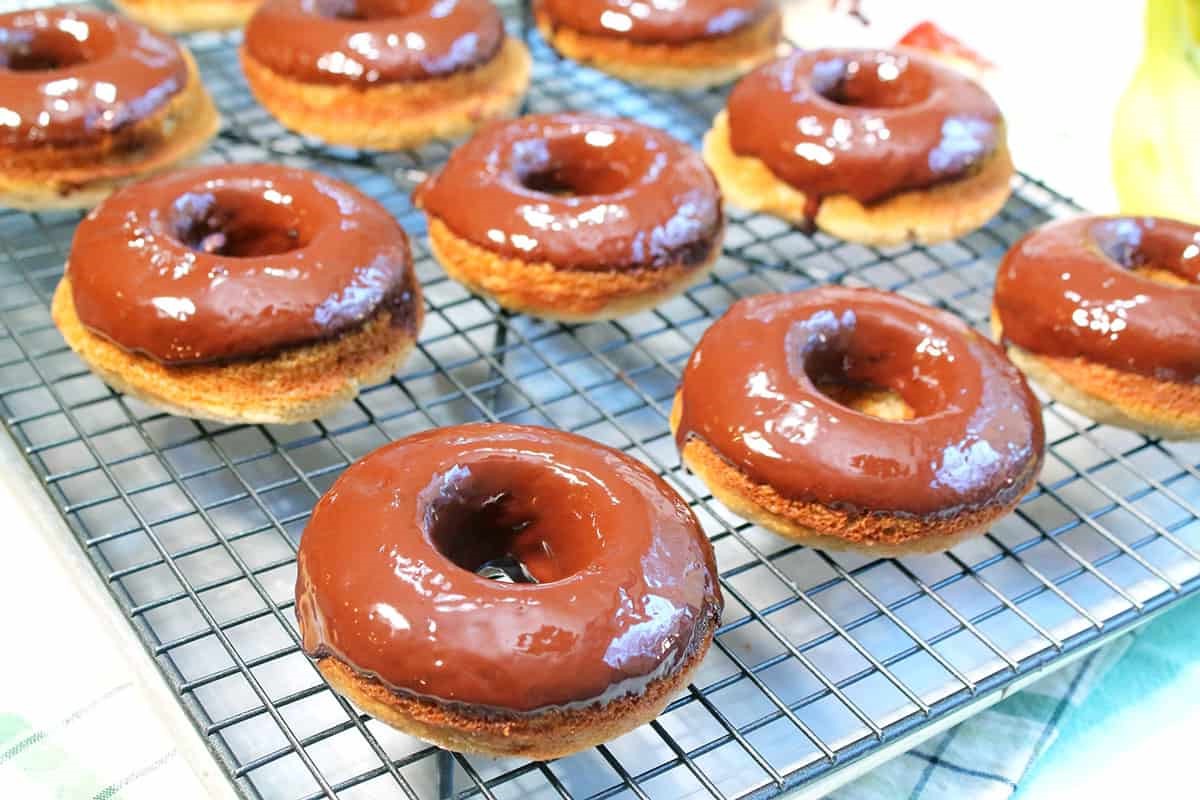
(1067, 290)
(581, 191)
(657, 20)
(867, 123)
(225, 262)
(750, 391)
(373, 41)
(72, 76)
(626, 580)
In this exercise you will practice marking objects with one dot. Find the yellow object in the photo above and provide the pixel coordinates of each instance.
(1156, 134)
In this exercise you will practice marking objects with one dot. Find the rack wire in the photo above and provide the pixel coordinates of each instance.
(821, 659)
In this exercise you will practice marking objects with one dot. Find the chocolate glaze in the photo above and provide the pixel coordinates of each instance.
(216, 263)
(750, 391)
(581, 191)
(651, 21)
(1067, 290)
(363, 42)
(626, 583)
(72, 75)
(867, 123)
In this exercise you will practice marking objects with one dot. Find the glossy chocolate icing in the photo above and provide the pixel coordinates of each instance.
(72, 75)
(750, 392)
(217, 263)
(668, 21)
(581, 191)
(626, 585)
(365, 42)
(1067, 290)
(867, 123)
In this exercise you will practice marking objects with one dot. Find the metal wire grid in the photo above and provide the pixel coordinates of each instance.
(820, 659)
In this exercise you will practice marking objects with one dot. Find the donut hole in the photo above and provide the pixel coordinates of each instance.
(49, 49)
(874, 366)
(874, 401)
(1141, 250)
(363, 10)
(596, 162)
(505, 520)
(881, 80)
(238, 223)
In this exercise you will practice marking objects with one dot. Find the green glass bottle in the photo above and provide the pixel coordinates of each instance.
(1156, 133)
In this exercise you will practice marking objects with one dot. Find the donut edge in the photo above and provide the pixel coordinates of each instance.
(1110, 396)
(538, 736)
(691, 65)
(193, 120)
(395, 116)
(548, 292)
(175, 17)
(298, 384)
(925, 216)
(879, 535)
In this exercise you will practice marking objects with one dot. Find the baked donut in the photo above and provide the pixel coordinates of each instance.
(1104, 313)
(178, 16)
(506, 589)
(89, 101)
(870, 146)
(686, 44)
(854, 419)
(240, 293)
(574, 217)
(383, 74)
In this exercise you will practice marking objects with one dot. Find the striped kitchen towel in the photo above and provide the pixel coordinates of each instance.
(89, 753)
(79, 716)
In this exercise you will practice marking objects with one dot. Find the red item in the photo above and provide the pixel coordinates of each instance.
(928, 36)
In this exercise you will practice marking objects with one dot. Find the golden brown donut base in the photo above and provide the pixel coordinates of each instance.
(394, 116)
(544, 290)
(538, 736)
(295, 385)
(814, 524)
(693, 65)
(177, 16)
(80, 177)
(927, 216)
(1111, 396)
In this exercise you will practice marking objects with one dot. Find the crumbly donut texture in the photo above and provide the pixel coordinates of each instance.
(395, 116)
(1125, 399)
(52, 178)
(544, 290)
(928, 216)
(542, 735)
(295, 385)
(814, 524)
(695, 65)
(178, 16)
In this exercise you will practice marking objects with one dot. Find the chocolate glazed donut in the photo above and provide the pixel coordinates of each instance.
(683, 21)
(87, 99)
(223, 263)
(373, 41)
(1104, 312)
(755, 419)
(881, 138)
(610, 598)
(679, 45)
(240, 292)
(398, 72)
(574, 216)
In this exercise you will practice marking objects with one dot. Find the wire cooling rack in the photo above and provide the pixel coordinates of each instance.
(824, 662)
